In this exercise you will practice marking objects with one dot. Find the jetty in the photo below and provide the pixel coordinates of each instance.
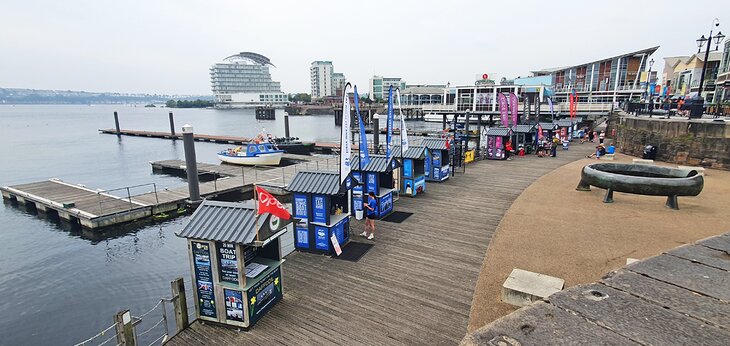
(95, 208)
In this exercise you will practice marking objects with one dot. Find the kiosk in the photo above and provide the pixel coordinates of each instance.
(413, 169)
(497, 137)
(235, 258)
(437, 162)
(323, 208)
(565, 128)
(376, 177)
(524, 135)
(548, 129)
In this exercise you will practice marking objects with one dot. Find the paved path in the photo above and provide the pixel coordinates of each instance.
(414, 287)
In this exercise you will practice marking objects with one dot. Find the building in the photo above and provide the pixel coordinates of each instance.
(338, 83)
(722, 83)
(243, 80)
(422, 94)
(609, 80)
(683, 74)
(320, 75)
(379, 86)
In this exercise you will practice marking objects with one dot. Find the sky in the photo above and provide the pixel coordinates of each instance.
(167, 47)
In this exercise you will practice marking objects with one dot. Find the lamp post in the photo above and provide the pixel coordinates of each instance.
(698, 102)
(649, 105)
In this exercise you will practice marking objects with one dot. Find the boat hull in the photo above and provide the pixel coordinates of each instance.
(265, 159)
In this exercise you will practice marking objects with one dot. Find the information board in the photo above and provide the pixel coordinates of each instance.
(408, 168)
(234, 305)
(386, 204)
(321, 240)
(357, 187)
(319, 209)
(227, 262)
(302, 237)
(203, 279)
(436, 158)
(301, 211)
(372, 183)
(263, 295)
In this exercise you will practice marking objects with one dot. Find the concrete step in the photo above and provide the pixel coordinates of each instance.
(523, 287)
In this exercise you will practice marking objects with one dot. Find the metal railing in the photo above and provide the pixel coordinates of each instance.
(107, 193)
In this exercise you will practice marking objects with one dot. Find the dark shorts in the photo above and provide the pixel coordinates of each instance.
(371, 216)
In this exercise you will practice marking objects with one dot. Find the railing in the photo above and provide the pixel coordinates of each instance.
(439, 108)
(106, 193)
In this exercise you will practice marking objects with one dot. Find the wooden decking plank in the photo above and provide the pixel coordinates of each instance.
(721, 243)
(683, 273)
(704, 255)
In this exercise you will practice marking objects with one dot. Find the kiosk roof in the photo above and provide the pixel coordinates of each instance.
(499, 131)
(378, 163)
(524, 128)
(548, 126)
(325, 183)
(564, 123)
(414, 152)
(222, 221)
(435, 143)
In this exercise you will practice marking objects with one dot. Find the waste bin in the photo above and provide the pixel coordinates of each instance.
(650, 152)
(358, 214)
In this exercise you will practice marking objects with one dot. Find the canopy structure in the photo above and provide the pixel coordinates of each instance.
(222, 221)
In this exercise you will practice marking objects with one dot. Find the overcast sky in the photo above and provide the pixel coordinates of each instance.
(168, 46)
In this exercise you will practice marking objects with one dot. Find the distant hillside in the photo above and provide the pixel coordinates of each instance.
(35, 96)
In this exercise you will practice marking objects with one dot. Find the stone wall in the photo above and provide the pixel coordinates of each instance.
(694, 143)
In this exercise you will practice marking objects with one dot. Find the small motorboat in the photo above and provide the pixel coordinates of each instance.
(254, 154)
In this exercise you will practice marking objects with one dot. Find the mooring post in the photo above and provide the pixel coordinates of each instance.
(116, 122)
(191, 164)
(443, 123)
(376, 135)
(180, 304)
(125, 328)
(172, 126)
(286, 125)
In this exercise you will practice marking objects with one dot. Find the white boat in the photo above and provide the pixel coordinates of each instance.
(254, 154)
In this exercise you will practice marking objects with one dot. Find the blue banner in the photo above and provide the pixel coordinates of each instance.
(389, 130)
(320, 209)
(321, 238)
(363, 148)
(302, 237)
(300, 207)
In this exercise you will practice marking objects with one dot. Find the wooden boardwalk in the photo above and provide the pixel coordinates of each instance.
(414, 287)
(677, 298)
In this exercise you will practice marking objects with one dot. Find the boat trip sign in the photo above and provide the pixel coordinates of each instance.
(203, 278)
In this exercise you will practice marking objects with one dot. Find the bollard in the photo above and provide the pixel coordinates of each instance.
(191, 164)
(180, 304)
(286, 126)
(172, 126)
(116, 122)
(376, 135)
(125, 328)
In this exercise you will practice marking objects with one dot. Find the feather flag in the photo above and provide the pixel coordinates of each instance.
(364, 154)
(550, 102)
(503, 109)
(403, 129)
(389, 129)
(513, 102)
(345, 140)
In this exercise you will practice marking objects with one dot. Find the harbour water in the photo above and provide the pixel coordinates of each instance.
(60, 286)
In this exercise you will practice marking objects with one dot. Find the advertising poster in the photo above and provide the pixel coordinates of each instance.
(437, 172)
(499, 151)
(372, 183)
(357, 203)
(203, 279)
(444, 172)
(300, 208)
(408, 186)
(436, 158)
(490, 146)
(227, 262)
(427, 166)
(357, 188)
(408, 168)
(234, 305)
(321, 240)
(302, 237)
(420, 184)
(263, 295)
(386, 204)
(320, 209)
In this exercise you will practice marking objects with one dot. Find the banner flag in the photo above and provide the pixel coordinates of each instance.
(503, 109)
(403, 129)
(269, 204)
(513, 104)
(345, 140)
(389, 130)
(364, 154)
(550, 102)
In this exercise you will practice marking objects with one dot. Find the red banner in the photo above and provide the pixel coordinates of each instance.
(269, 204)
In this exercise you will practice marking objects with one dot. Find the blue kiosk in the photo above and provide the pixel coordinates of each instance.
(437, 162)
(413, 169)
(323, 206)
(376, 177)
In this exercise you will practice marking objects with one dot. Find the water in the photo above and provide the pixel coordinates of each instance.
(60, 286)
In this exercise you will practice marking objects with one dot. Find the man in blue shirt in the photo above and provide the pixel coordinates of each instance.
(370, 205)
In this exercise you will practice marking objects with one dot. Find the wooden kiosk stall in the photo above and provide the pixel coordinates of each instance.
(235, 258)
(413, 169)
(565, 128)
(437, 162)
(376, 177)
(548, 129)
(323, 207)
(524, 135)
(497, 138)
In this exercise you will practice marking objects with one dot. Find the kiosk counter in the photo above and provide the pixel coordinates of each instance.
(376, 177)
(235, 258)
(322, 205)
(437, 162)
(497, 138)
(413, 170)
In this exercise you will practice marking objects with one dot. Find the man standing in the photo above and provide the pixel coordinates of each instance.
(371, 216)
(554, 147)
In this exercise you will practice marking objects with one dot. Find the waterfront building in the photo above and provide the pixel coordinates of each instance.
(243, 80)
(722, 83)
(379, 86)
(320, 75)
(422, 94)
(683, 74)
(338, 83)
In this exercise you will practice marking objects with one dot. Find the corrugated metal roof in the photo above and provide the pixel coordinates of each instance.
(524, 128)
(222, 221)
(564, 123)
(434, 143)
(325, 183)
(499, 131)
(377, 163)
(548, 126)
(413, 152)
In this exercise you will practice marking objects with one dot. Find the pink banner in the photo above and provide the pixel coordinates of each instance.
(503, 109)
(513, 107)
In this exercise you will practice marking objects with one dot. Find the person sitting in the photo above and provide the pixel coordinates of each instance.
(600, 151)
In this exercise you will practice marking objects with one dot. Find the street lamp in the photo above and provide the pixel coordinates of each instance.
(649, 106)
(698, 102)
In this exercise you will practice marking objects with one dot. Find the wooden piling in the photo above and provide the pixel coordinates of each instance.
(116, 122)
(172, 126)
(286, 125)
(180, 304)
(125, 328)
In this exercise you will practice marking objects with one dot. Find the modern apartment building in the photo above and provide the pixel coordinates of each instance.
(379, 86)
(243, 80)
(320, 74)
(338, 83)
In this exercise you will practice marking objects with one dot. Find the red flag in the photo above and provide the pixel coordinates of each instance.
(269, 204)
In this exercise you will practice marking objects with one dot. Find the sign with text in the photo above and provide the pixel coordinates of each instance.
(321, 241)
(372, 183)
(234, 305)
(263, 295)
(336, 244)
(386, 204)
(408, 168)
(203, 279)
(357, 183)
(227, 262)
(302, 234)
(320, 208)
(301, 211)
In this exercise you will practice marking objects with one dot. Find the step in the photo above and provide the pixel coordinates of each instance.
(523, 287)
(644, 161)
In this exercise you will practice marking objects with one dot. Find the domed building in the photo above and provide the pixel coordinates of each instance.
(243, 80)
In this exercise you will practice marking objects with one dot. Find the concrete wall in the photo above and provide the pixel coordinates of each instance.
(682, 142)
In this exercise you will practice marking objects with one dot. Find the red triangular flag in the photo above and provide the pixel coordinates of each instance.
(269, 204)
